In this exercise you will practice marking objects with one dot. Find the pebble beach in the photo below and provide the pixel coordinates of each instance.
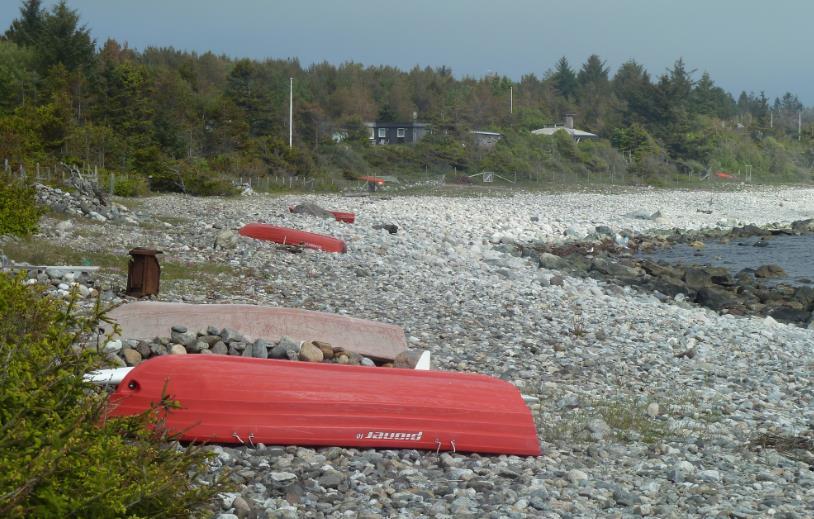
(645, 406)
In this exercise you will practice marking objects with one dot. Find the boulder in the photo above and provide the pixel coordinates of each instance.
(389, 227)
(197, 347)
(790, 315)
(219, 348)
(697, 278)
(805, 296)
(803, 226)
(310, 353)
(769, 271)
(311, 209)
(614, 269)
(131, 357)
(326, 348)
(552, 261)
(642, 214)
(260, 349)
(230, 335)
(227, 239)
(407, 359)
(144, 349)
(186, 337)
(716, 298)
(282, 349)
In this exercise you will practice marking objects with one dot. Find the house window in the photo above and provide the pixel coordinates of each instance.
(382, 132)
(400, 132)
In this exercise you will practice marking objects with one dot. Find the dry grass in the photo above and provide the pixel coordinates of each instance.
(800, 448)
(627, 417)
(42, 252)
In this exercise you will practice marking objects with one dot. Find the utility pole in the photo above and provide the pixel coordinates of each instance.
(511, 100)
(799, 125)
(771, 119)
(291, 112)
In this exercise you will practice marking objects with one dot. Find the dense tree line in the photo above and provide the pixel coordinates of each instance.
(181, 117)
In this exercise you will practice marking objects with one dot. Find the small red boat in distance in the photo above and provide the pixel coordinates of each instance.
(287, 236)
(227, 399)
(344, 217)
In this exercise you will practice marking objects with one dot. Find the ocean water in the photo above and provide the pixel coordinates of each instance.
(795, 254)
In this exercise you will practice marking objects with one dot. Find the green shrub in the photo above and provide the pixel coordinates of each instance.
(59, 457)
(19, 212)
(131, 185)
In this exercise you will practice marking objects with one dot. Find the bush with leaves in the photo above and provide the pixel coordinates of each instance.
(131, 185)
(19, 212)
(59, 456)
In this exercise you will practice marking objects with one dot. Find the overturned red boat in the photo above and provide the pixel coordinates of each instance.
(344, 217)
(372, 180)
(287, 236)
(244, 400)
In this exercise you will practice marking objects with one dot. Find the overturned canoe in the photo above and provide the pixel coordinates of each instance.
(148, 319)
(372, 180)
(344, 217)
(244, 400)
(287, 236)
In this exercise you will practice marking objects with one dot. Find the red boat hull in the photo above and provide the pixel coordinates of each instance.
(344, 217)
(234, 399)
(286, 236)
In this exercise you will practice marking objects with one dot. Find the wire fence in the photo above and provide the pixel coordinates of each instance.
(58, 174)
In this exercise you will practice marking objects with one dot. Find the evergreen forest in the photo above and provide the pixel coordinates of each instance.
(173, 120)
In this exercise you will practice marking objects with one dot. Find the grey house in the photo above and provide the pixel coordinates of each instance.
(397, 133)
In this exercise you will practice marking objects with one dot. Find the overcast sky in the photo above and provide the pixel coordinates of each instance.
(748, 45)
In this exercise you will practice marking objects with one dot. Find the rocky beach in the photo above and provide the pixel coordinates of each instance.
(646, 404)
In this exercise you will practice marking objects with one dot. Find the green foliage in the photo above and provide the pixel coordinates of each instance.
(59, 456)
(635, 141)
(16, 75)
(564, 78)
(131, 185)
(19, 213)
(145, 112)
(55, 36)
(20, 137)
(196, 178)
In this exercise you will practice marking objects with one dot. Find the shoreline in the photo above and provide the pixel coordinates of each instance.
(629, 423)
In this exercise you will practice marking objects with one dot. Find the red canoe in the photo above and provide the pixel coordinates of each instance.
(286, 236)
(375, 180)
(344, 217)
(338, 215)
(235, 399)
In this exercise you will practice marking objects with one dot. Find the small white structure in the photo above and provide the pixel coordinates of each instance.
(568, 127)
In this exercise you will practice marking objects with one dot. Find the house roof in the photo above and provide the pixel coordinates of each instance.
(396, 125)
(551, 130)
(481, 132)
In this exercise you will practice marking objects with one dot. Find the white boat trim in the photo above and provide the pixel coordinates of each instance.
(107, 377)
(423, 361)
